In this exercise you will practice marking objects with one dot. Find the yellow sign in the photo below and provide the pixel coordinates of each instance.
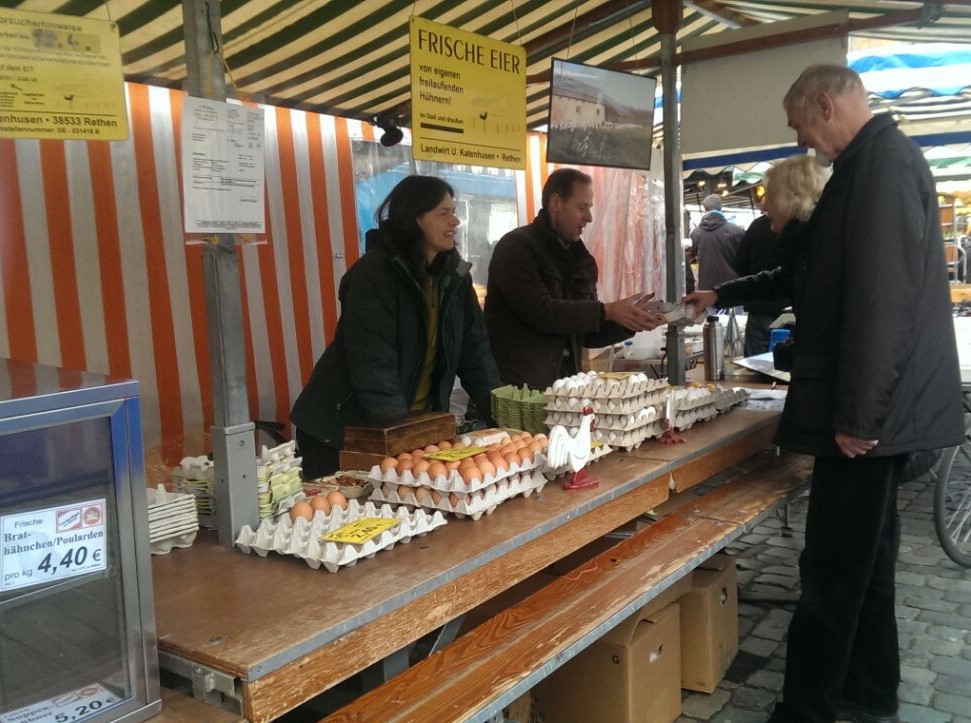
(468, 97)
(362, 530)
(60, 77)
(453, 455)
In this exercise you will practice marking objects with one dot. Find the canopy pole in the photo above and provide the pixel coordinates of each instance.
(666, 16)
(233, 438)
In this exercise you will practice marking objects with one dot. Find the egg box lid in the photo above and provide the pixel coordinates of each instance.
(401, 434)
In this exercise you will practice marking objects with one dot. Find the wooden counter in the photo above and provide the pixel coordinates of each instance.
(286, 632)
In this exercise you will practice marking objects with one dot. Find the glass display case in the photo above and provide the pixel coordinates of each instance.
(77, 621)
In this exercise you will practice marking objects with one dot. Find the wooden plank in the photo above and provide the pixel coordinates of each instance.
(272, 694)
(747, 496)
(538, 633)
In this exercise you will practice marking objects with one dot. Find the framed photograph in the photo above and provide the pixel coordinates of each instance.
(600, 117)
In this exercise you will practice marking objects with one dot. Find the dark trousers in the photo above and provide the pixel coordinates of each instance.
(842, 644)
(757, 334)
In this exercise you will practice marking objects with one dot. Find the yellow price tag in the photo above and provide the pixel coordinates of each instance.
(362, 530)
(594, 443)
(454, 455)
(616, 375)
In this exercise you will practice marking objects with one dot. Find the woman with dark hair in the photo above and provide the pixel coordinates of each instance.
(410, 323)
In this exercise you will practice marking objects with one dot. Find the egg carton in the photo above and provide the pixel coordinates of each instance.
(606, 421)
(725, 399)
(452, 482)
(686, 398)
(596, 453)
(604, 385)
(304, 539)
(611, 405)
(629, 439)
(685, 419)
(475, 504)
(165, 545)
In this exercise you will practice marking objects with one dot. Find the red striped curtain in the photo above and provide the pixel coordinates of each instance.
(95, 273)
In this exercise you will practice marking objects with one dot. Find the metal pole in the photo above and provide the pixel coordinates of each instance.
(233, 439)
(667, 19)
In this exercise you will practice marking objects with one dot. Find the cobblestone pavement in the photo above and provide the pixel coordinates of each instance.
(933, 614)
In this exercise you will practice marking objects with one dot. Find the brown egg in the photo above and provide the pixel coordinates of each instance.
(417, 453)
(420, 465)
(319, 502)
(337, 499)
(423, 495)
(471, 474)
(437, 468)
(436, 496)
(431, 448)
(535, 447)
(511, 457)
(506, 449)
(445, 445)
(404, 464)
(481, 457)
(486, 467)
(526, 437)
(388, 463)
(301, 509)
(525, 456)
(467, 462)
(500, 464)
(454, 499)
(454, 464)
(404, 455)
(387, 490)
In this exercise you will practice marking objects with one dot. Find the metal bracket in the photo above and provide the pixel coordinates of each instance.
(208, 685)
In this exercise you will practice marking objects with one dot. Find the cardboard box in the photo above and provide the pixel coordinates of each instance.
(709, 624)
(631, 674)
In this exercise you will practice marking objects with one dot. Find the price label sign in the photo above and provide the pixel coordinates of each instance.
(454, 455)
(52, 544)
(78, 705)
(362, 530)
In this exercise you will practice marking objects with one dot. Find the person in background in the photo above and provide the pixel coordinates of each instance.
(714, 245)
(409, 324)
(541, 301)
(874, 380)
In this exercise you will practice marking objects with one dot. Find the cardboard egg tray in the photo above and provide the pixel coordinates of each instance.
(725, 399)
(470, 503)
(611, 405)
(640, 417)
(194, 476)
(304, 539)
(452, 482)
(172, 520)
(630, 438)
(604, 385)
(278, 479)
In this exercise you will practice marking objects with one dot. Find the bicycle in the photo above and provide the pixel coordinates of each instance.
(952, 497)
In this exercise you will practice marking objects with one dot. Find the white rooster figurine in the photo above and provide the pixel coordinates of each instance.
(575, 450)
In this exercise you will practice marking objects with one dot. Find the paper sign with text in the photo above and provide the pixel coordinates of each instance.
(468, 97)
(60, 78)
(362, 530)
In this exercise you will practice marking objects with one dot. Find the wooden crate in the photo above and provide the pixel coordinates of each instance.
(403, 435)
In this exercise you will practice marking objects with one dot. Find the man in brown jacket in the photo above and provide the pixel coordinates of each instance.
(542, 306)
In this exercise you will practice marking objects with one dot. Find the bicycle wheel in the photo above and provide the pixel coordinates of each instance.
(952, 504)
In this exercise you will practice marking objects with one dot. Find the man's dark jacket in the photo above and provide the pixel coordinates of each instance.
(372, 368)
(875, 355)
(541, 299)
(759, 251)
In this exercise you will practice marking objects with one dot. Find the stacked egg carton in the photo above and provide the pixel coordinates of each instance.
(172, 520)
(194, 476)
(725, 399)
(304, 539)
(688, 405)
(466, 491)
(278, 479)
(628, 406)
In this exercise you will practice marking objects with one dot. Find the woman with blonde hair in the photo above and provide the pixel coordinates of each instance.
(792, 188)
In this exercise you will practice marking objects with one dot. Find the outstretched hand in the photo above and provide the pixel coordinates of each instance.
(854, 446)
(628, 314)
(701, 300)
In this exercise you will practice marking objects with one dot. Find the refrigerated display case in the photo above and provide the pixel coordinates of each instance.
(77, 623)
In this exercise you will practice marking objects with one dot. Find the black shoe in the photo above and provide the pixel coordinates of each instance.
(857, 714)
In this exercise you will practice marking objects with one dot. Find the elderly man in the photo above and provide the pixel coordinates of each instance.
(874, 378)
(541, 303)
(715, 245)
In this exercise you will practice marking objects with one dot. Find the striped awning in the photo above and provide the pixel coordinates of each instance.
(350, 57)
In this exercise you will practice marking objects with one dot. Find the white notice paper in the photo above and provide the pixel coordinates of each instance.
(222, 167)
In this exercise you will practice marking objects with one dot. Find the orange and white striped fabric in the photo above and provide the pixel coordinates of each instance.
(95, 272)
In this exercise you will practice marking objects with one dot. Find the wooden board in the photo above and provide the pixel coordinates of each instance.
(402, 435)
(180, 708)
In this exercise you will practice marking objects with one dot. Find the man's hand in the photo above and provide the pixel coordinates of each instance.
(701, 300)
(626, 313)
(853, 446)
